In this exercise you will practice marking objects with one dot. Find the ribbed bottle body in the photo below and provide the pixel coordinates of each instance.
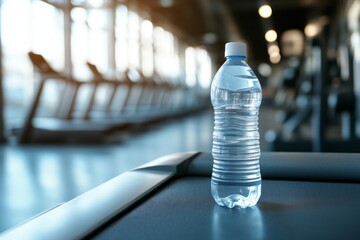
(236, 98)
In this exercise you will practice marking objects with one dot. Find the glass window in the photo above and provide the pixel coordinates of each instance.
(47, 33)
(28, 26)
(47, 38)
(15, 27)
(204, 68)
(79, 42)
(147, 51)
(134, 40)
(174, 59)
(167, 61)
(121, 33)
(190, 66)
(89, 40)
(158, 48)
(38, 26)
(98, 38)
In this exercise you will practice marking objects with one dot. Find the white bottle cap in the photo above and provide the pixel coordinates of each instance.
(235, 49)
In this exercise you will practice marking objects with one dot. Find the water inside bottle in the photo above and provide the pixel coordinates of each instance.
(236, 178)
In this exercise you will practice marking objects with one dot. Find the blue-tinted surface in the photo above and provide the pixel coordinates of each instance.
(35, 178)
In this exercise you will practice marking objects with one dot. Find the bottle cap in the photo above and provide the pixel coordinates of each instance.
(235, 49)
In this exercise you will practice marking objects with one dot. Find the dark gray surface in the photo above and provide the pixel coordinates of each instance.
(328, 167)
(303, 197)
(331, 167)
(184, 209)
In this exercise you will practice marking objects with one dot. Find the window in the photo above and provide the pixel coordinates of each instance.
(29, 26)
(47, 33)
(134, 40)
(204, 68)
(190, 66)
(167, 62)
(79, 42)
(98, 38)
(89, 40)
(147, 50)
(121, 35)
(41, 26)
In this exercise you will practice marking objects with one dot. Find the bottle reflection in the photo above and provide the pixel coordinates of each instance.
(233, 223)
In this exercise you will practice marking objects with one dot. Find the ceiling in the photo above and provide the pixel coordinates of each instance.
(214, 22)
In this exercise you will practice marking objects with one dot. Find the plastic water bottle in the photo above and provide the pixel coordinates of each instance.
(236, 97)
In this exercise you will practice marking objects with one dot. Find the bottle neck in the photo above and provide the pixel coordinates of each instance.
(236, 57)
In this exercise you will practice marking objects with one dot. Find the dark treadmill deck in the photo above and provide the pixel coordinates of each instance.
(184, 209)
(305, 196)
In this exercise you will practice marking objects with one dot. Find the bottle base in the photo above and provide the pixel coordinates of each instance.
(245, 196)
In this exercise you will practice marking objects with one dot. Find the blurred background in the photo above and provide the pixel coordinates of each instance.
(92, 88)
(66, 65)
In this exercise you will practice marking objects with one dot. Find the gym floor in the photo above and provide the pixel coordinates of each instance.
(35, 178)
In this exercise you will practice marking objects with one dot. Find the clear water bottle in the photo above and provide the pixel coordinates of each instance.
(236, 97)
